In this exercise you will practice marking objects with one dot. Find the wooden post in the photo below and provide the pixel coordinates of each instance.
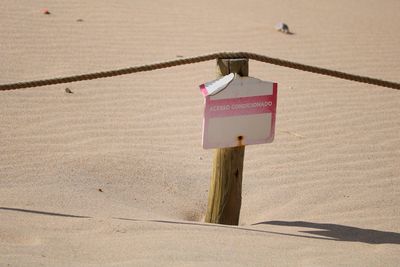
(225, 194)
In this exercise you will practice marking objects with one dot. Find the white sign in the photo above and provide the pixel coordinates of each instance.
(238, 111)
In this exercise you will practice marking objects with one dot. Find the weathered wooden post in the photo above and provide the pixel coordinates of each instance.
(225, 194)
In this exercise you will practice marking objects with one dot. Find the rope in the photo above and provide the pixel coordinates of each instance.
(191, 60)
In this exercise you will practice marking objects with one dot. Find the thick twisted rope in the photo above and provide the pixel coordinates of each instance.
(191, 60)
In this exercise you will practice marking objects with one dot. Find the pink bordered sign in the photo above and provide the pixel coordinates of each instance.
(238, 111)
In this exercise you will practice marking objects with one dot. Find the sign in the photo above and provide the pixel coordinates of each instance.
(238, 111)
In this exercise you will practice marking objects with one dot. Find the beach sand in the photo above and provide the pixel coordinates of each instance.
(115, 174)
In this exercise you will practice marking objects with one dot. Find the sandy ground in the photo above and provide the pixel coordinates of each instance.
(326, 192)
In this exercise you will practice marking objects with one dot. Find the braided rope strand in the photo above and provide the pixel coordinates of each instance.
(198, 59)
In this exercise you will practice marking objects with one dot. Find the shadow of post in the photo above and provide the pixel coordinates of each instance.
(342, 233)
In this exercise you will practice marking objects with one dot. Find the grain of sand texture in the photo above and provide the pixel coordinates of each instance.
(326, 192)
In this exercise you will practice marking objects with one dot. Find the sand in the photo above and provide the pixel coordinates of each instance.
(326, 192)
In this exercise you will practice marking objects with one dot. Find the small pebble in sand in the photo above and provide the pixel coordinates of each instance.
(68, 91)
(79, 20)
(282, 27)
(46, 11)
(100, 190)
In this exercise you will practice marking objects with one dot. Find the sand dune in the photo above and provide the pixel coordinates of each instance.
(326, 192)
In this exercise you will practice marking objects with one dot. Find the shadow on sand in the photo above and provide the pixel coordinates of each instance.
(339, 232)
(43, 212)
(321, 231)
